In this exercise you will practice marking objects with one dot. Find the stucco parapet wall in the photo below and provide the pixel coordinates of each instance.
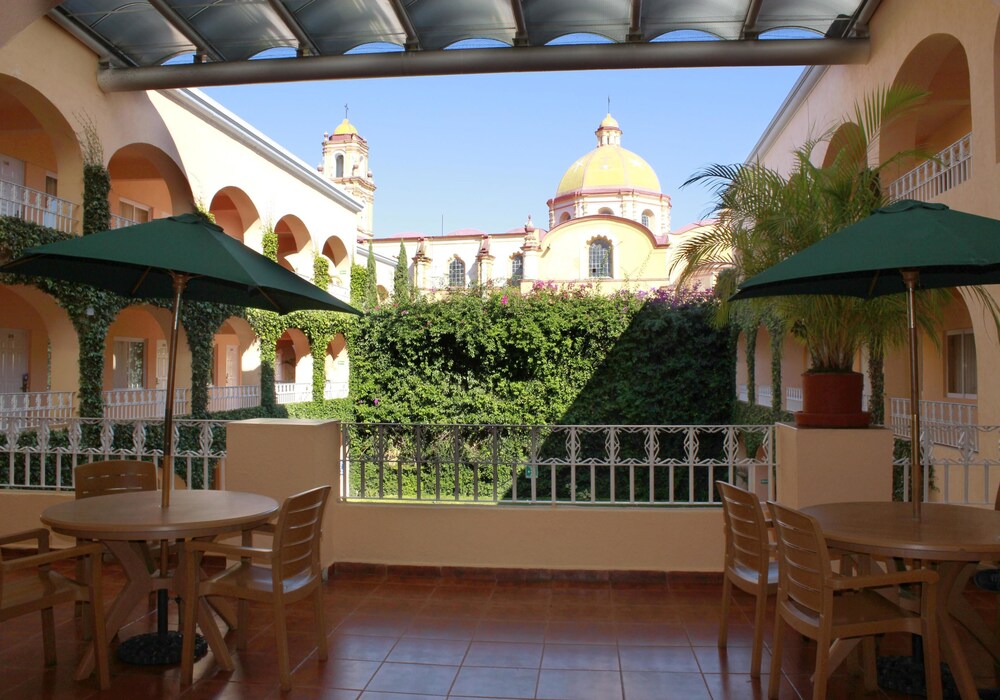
(243, 133)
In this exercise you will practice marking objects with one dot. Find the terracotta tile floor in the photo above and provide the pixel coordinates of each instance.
(400, 637)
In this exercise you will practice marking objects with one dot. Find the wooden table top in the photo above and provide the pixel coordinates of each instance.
(944, 532)
(138, 515)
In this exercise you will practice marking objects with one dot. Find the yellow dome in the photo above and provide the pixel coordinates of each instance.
(609, 166)
(345, 127)
(609, 122)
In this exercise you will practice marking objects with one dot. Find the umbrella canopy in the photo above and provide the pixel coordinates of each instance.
(899, 248)
(138, 262)
(949, 248)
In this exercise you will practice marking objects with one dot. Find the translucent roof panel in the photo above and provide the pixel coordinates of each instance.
(141, 34)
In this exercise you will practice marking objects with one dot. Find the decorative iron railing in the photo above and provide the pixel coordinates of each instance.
(552, 464)
(37, 207)
(949, 168)
(957, 473)
(42, 456)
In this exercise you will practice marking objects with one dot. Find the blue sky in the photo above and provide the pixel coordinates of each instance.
(485, 151)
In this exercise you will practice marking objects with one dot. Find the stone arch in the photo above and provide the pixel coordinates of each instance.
(235, 212)
(846, 142)
(144, 176)
(149, 326)
(235, 354)
(938, 64)
(293, 361)
(35, 133)
(295, 246)
(53, 346)
(335, 251)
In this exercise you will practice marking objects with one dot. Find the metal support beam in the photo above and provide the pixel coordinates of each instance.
(306, 45)
(690, 54)
(749, 30)
(635, 22)
(202, 45)
(412, 40)
(521, 37)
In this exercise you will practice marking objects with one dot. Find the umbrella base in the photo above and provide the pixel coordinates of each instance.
(156, 649)
(832, 420)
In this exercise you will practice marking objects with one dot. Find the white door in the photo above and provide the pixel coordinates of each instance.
(232, 358)
(13, 360)
(12, 175)
(161, 364)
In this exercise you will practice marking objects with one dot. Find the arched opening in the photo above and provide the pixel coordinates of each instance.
(293, 368)
(236, 214)
(564, 217)
(456, 273)
(294, 246)
(38, 350)
(146, 184)
(235, 374)
(942, 126)
(337, 368)
(648, 219)
(40, 160)
(605, 211)
(336, 252)
(846, 146)
(339, 165)
(516, 268)
(599, 262)
(136, 364)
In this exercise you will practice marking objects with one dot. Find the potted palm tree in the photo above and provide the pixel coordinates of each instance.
(764, 216)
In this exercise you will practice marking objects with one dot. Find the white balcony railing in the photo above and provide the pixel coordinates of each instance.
(293, 392)
(764, 395)
(793, 398)
(233, 398)
(120, 222)
(334, 390)
(943, 422)
(951, 167)
(135, 404)
(37, 207)
(741, 392)
(34, 407)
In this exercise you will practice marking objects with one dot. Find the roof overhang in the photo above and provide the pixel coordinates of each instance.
(157, 44)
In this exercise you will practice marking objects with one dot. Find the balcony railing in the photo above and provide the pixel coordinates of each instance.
(552, 464)
(42, 456)
(293, 392)
(33, 407)
(793, 398)
(951, 167)
(764, 395)
(335, 390)
(37, 207)
(741, 392)
(233, 398)
(942, 422)
(120, 221)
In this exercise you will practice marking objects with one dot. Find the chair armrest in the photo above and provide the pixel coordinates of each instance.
(843, 583)
(232, 551)
(265, 529)
(35, 560)
(39, 533)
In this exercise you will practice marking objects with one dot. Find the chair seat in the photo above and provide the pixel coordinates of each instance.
(25, 594)
(858, 609)
(255, 579)
(745, 574)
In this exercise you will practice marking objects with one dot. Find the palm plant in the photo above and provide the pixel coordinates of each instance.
(765, 216)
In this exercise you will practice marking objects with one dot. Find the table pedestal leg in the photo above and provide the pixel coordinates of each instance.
(951, 648)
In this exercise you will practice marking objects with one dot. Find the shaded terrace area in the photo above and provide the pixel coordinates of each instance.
(407, 633)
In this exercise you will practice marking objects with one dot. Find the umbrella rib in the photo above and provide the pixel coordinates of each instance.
(871, 287)
(267, 296)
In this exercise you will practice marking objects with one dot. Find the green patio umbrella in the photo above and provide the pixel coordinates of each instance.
(903, 247)
(177, 257)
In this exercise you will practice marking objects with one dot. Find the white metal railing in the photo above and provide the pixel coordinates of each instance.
(293, 392)
(37, 207)
(951, 167)
(956, 473)
(793, 398)
(334, 390)
(944, 422)
(552, 464)
(32, 407)
(233, 398)
(741, 392)
(42, 457)
(764, 395)
(120, 221)
(134, 404)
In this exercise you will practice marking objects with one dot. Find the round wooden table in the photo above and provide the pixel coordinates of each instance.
(121, 521)
(946, 537)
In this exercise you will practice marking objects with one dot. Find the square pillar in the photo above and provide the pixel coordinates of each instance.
(281, 457)
(819, 465)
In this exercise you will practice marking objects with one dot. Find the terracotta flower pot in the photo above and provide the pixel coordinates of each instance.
(832, 400)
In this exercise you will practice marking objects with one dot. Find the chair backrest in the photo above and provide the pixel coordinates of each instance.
(747, 544)
(114, 476)
(297, 533)
(803, 560)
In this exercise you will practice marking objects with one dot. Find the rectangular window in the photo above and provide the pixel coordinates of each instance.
(129, 364)
(133, 211)
(961, 357)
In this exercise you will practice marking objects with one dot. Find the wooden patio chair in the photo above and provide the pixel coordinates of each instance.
(27, 584)
(839, 611)
(293, 574)
(750, 563)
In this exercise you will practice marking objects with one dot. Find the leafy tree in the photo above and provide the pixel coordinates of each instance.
(371, 285)
(401, 280)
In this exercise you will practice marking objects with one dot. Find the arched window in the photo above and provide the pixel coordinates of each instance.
(565, 217)
(517, 268)
(340, 165)
(647, 219)
(600, 258)
(456, 273)
(605, 211)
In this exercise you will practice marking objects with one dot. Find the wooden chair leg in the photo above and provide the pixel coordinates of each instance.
(190, 610)
(96, 623)
(932, 659)
(49, 636)
(320, 623)
(281, 638)
(727, 591)
(760, 608)
(242, 623)
(868, 664)
(774, 683)
(822, 672)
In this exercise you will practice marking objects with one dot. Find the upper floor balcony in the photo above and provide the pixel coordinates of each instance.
(949, 168)
(37, 207)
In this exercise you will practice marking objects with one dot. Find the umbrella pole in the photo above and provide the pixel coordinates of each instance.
(910, 279)
(180, 281)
